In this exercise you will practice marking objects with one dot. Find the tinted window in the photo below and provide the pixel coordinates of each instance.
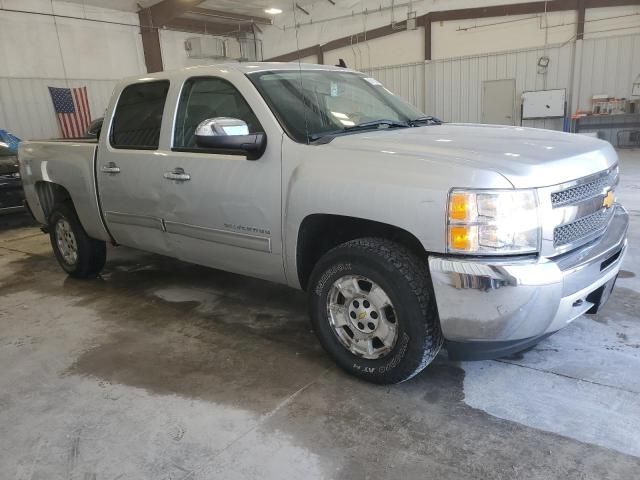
(207, 97)
(138, 116)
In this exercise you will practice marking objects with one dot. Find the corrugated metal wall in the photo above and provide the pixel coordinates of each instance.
(454, 86)
(26, 108)
(609, 65)
(404, 80)
(451, 89)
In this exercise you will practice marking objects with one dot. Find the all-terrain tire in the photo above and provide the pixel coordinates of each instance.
(405, 279)
(90, 254)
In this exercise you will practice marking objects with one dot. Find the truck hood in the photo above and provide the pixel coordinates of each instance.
(526, 157)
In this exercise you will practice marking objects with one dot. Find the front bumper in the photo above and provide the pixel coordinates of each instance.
(513, 303)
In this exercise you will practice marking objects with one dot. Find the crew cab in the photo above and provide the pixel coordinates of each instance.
(407, 233)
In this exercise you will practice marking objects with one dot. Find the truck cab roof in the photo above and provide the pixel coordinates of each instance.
(223, 68)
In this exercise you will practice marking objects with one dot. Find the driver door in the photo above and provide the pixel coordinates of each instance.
(223, 210)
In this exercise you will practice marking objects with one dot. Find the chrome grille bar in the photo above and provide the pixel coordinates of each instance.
(581, 192)
(582, 229)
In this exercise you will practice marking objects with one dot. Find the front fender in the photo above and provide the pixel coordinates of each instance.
(406, 192)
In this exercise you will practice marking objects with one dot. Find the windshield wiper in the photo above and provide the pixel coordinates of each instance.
(377, 124)
(426, 120)
(372, 125)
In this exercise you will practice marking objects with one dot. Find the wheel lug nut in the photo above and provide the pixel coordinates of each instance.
(371, 326)
(374, 315)
(353, 315)
(356, 304)
(366, 304)
(360, 325)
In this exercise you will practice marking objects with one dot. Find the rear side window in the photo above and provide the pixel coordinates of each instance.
(138, 116)
(208, 97)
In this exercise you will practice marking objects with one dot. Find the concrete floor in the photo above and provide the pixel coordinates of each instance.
(164, 370)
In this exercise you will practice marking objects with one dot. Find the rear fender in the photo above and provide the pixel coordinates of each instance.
(62, 171)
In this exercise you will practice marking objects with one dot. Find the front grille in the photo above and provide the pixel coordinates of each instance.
(585, 190)
(582, 228)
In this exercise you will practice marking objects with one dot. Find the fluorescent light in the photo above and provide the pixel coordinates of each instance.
(273, 11)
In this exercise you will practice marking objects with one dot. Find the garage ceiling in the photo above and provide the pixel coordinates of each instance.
(251, 7)
(123, 5)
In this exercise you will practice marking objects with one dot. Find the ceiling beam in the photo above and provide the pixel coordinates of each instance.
(519, 9)
(163, 12)
(204, 27)
(460, 14)
(233, 17)
(296, 54)
(150, 43)
(503, 10)
(341, 42)
(582, 12)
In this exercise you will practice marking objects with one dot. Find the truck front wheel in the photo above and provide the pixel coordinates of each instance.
(372, 307)
(78, 254)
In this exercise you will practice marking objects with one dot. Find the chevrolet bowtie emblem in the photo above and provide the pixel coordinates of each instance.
(608, 200)
(362, 315)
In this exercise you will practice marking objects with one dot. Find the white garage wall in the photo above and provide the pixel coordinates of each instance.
(407, 81)
(454, 86)
(402, 47)
(609, 65)
(451, 89)
(26, 109)
(473, 37)
(38, 51)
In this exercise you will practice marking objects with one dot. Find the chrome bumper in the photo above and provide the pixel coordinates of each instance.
(503, 300)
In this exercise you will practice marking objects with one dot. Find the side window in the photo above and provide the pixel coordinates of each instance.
(138, 116)
(209, 97)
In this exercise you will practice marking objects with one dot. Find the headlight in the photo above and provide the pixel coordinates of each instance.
(485, 222)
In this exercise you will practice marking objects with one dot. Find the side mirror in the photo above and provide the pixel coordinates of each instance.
(230, 136)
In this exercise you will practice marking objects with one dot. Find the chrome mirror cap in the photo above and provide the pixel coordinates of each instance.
(222, 126)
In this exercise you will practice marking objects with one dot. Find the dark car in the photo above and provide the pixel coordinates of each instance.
(11, 194)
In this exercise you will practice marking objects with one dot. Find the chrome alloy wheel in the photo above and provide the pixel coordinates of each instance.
(362, 317)
(66, 241)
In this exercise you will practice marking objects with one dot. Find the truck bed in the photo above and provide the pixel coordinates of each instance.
(70, 164)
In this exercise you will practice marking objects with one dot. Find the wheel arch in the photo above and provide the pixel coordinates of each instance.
(49, 195)
(320, 232)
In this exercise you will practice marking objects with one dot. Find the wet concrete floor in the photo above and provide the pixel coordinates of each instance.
(164, 370)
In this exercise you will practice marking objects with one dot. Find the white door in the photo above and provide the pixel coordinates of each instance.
(498, 102)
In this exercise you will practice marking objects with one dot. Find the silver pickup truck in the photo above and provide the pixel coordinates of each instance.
(406, 233)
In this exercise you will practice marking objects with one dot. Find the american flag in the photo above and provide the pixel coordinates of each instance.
(72, 109)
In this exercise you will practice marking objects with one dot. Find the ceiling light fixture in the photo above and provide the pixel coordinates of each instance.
(273, 11)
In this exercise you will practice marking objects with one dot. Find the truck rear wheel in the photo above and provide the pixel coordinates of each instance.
(78, 254)
(372, 307)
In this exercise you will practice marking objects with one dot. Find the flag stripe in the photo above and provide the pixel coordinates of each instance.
(78, 119)
(79, 101)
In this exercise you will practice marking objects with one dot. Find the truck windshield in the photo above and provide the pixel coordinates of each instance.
(313, 104)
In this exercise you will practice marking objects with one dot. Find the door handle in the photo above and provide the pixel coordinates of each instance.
(111, 167)
(177, 174)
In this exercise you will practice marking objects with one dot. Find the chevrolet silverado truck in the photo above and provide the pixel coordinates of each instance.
(407, 233)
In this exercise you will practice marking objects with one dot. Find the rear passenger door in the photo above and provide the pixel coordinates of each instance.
(227, 215)
(130, 168)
